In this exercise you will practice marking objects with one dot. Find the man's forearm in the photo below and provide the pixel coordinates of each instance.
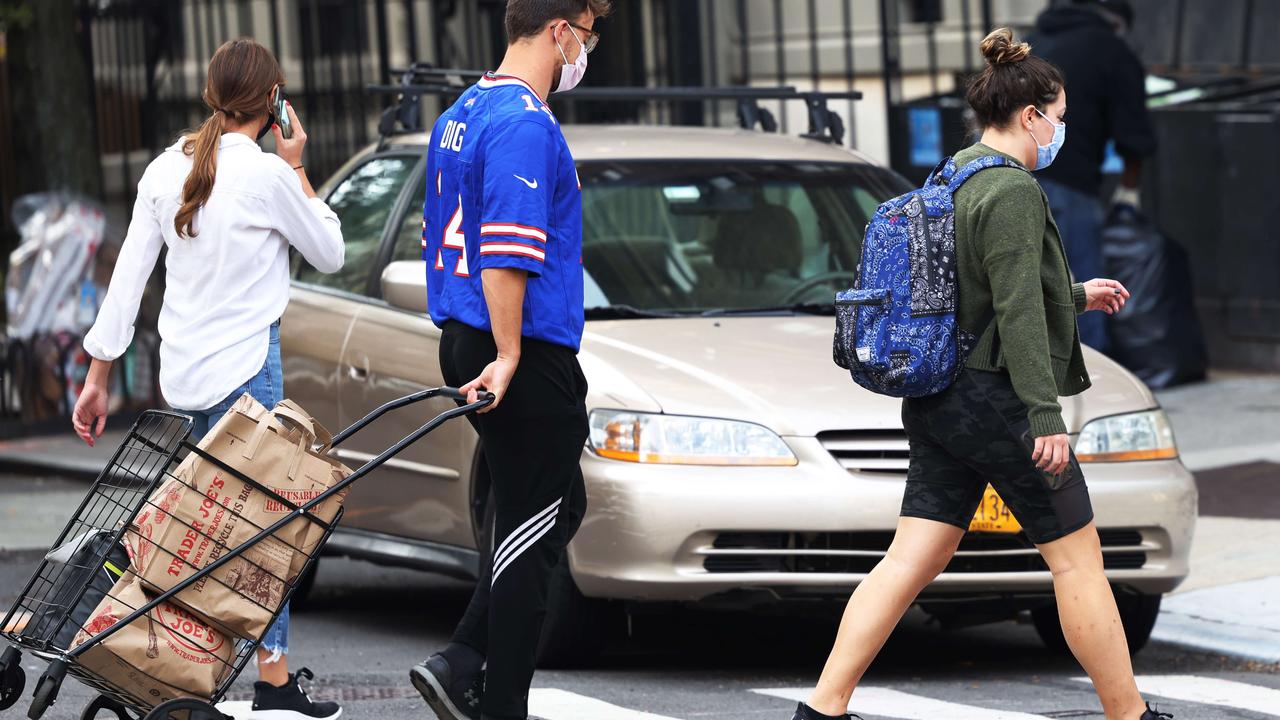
(504, 293)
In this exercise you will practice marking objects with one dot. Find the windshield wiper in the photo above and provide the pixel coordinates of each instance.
(624, 312)
(797, 308)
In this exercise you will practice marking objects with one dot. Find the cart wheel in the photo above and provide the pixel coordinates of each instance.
(185, 709)
(12, 684)
(101, 703)
(45, 696)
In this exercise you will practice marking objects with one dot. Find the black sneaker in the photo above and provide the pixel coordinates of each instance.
(451, 698)
(290, 701)
(1153, 714)
(804, 712)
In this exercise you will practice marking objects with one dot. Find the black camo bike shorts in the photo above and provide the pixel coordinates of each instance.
(976, 432)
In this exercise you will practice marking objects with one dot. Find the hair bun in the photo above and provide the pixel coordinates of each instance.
(1000, 49)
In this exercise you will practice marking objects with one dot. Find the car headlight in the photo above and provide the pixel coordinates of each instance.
(680, 440)
(1120, 438)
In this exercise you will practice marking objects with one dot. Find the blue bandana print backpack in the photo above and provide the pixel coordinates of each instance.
(896, 330)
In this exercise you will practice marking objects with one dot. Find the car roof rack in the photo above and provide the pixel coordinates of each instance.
(419, 79)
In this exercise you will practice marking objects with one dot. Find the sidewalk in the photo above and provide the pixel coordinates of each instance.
(61, 454)
(1233, 419)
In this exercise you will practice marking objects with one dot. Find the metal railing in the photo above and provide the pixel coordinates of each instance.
(149, 57)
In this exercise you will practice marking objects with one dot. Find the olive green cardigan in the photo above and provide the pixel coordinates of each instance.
(1009, 257)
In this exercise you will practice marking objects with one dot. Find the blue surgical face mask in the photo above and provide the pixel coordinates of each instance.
(1045, 154)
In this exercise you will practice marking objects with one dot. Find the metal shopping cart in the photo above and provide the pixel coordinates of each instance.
(89, 554)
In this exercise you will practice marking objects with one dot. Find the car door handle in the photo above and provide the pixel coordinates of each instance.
(357, 373)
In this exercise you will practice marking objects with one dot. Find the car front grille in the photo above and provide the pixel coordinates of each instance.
(858, 552)
(868, 451)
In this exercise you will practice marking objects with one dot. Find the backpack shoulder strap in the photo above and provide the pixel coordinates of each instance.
(973, 168)
(962, 176)
(942, 172)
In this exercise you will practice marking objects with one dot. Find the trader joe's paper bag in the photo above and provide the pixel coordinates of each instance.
(167, 653)
(204, 512)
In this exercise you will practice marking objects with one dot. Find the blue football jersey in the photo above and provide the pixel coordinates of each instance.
(503, 192)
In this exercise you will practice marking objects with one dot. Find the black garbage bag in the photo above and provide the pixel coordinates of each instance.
(1157, 335)
(90, 569)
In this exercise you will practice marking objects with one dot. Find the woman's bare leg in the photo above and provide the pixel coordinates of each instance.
(274, 671)
(1091, 622)
(920, 550)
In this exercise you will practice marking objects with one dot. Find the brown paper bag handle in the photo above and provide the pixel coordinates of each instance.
(289, 410)
(260, 433)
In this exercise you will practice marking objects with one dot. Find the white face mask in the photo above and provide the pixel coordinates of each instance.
(571, 73)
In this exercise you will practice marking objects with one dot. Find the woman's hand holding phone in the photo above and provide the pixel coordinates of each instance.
(1052, 453)
(290, 149)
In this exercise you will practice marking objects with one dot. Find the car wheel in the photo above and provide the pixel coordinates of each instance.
(577, 628)
(1138, 614)
(301, 600)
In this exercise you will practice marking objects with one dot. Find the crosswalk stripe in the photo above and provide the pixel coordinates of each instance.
(1210, 691)
(555, 704)
(896, 704)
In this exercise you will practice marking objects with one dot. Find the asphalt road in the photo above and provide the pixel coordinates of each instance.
(365, 626)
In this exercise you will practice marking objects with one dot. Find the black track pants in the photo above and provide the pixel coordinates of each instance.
(532, 443)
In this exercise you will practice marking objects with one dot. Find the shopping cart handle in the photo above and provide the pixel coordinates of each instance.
(485, 399)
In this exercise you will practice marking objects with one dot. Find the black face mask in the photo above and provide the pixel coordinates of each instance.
(267, 127)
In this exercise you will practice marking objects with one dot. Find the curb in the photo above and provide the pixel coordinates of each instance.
(36, 463)
(1240, 641)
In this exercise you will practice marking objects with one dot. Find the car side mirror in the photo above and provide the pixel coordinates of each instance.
(404, 285)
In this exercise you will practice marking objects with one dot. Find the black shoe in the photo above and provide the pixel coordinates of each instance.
(451, 698)
(804, 712)
(1153, 714)
(290, 701)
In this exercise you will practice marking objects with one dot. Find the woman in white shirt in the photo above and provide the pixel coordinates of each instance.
(227, 213)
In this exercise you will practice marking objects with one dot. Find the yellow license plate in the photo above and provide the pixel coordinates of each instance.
(993, 515)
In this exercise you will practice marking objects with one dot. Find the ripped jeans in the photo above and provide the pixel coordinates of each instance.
(267, 387)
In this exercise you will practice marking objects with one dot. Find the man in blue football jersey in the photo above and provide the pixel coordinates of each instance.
(502, 237)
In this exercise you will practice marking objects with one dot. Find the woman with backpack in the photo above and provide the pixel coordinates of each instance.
(1000, 420)
(226, 213)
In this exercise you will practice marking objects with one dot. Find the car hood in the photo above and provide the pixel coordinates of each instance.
(774, 371)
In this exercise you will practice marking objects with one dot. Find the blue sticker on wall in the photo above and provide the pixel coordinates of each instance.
(1112, 163)
(924, 126)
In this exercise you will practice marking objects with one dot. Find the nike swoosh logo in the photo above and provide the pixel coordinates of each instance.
(533, 184)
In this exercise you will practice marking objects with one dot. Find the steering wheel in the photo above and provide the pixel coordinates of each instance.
(797, 292)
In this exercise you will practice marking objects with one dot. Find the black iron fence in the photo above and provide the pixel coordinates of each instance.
(148, 60)
(148, 56)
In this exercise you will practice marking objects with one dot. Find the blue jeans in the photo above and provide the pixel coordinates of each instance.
(1080, 217)
(267, 387)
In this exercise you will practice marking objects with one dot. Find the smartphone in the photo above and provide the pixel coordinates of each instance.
(281, 114)
(1054, 481)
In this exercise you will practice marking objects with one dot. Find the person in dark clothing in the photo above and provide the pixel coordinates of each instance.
(1105, 81)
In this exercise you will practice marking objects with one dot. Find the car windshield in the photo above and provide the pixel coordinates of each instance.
(722, 238)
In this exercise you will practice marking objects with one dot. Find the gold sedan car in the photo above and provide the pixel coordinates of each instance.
(730, 462)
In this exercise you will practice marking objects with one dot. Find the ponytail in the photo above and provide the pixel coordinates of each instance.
(204, 167)
(242, 74)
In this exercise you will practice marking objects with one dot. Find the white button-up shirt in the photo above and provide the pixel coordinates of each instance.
(226, 286)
